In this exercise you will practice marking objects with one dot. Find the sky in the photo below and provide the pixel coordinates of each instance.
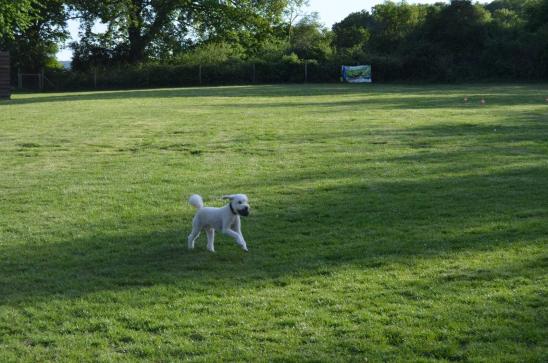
(330, 11)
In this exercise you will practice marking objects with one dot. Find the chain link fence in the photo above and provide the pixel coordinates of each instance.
(152, 75)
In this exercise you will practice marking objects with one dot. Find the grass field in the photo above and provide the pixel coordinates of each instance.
(389, 223)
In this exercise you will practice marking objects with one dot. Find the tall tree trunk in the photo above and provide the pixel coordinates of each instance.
(137, 43)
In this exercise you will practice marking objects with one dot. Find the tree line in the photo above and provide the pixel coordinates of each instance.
(447, 41)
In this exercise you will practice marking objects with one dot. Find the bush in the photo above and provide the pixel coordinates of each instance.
(287, 70)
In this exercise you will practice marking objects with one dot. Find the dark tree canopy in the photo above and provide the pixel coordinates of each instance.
(32, 31)
(15, 16)
(457, 41)
(144, 29)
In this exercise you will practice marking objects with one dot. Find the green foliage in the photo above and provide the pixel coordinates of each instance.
(143, 29)
(459, 41)
(537, 13)
(291, 58)
(289, 68)
(15, 16)
(271, 50)
(37, 30)
(310, 40)
(389, 223)
(506, 19)
(393, 23)
(353, 31)
(211, 53)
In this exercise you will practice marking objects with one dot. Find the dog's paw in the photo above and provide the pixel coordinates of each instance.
(245, 248)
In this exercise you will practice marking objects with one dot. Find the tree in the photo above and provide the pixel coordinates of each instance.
(15, 16)
(310, 39)
(383, 30)
(393, 23)
(450, 43)
(293, 11)
(36, 29)
(514, 5)
(136, 26)
(537, 14)
(353, 31)
(459, 27)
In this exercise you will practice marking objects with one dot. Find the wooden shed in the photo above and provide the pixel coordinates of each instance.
(5, 86)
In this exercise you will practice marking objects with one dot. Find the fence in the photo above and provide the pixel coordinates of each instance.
(5, 86)
(34, 81)
(151, 75)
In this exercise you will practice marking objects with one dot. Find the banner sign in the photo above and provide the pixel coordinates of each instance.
(357, 74)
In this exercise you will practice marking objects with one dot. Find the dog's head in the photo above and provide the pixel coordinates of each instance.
(238, 203)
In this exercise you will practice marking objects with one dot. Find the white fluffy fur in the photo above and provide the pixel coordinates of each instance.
(219, 219)
(196, 201)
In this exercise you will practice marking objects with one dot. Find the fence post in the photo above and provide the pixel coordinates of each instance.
(254, 74)
(94, 77)
(200, 74)
(41, 79)
(19, 79)
(305, 71)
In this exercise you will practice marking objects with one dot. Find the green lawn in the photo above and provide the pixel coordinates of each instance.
(389, 223)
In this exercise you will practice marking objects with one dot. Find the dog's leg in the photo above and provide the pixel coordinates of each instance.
(236, 236)
(192, 237)
(210, 232)
(238, 229)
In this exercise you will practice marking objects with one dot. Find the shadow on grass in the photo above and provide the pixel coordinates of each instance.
(307, 232)
(191, 92)
(430, 96)
(396, 222)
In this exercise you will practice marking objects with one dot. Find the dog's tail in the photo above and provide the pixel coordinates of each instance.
(196, 201)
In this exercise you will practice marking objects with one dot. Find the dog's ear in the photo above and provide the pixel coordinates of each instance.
(230, 197)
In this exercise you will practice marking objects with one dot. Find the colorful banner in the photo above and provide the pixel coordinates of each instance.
(356, 74)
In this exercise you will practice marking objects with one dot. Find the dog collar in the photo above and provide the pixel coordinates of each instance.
(232, 209)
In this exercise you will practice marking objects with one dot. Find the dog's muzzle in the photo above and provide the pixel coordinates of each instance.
(244, 212)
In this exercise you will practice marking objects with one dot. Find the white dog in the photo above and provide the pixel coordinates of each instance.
(220, 219)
